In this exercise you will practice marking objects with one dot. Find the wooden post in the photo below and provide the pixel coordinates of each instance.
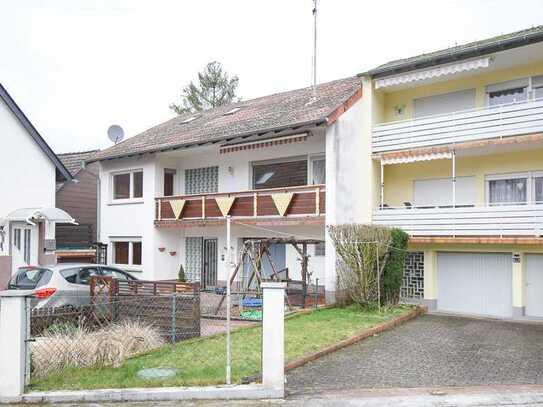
(203, 207)
(318, 201)
(159, 202)
(255, 205)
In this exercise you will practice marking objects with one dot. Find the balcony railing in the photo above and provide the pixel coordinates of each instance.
(470, 125)
(289, 202)
(510, 220)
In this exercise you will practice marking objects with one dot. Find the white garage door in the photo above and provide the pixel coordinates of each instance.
(475, 283)
(534, 285)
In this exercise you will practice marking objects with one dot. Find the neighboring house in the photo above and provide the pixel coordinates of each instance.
(454, 156)
(30, 170)
(280, 165)
(79, 199)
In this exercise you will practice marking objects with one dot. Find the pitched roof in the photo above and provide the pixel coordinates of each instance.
(275, 112)
(459, 52)
(73, 161)
(16, 110)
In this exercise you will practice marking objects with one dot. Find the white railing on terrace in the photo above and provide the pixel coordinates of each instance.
(502, 220)
(469, 125)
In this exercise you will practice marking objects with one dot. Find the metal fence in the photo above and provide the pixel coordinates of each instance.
(139, 329)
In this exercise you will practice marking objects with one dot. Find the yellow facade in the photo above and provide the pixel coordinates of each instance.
(399, 178)
(477, 82)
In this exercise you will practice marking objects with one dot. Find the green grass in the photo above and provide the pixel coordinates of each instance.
(201, 361)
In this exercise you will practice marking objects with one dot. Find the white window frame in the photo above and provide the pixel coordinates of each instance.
(131, 240)
(311, 159)
(530, 88)
(530, 183)
(132, 199)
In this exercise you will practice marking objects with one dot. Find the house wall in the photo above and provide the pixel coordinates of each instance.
(130, 219)
(27, 177)
(79, 199)
(478, 82)
(399, 178)
(234, 168)
(347, 158)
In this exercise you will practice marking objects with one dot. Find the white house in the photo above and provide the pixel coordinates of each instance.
(281, 165)
(29, 170)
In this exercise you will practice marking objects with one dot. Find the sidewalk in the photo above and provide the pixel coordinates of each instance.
(518, 395)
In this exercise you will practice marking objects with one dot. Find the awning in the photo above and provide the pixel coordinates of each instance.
(253, 145)
(425, 74)
(412, 158)
(36, 214)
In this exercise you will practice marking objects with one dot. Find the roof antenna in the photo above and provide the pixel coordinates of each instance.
(314, 79)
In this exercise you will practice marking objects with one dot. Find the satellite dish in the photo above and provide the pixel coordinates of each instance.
(115, 133)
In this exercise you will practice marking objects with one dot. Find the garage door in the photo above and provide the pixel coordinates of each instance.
(534, 285)
(475, 283)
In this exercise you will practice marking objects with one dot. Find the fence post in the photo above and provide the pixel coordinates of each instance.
(273, 335)
(13, 337)
(174, 317)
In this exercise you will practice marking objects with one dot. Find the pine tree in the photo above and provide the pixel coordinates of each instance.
(215, 88)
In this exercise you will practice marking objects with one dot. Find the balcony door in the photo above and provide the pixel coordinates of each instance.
(444, 103)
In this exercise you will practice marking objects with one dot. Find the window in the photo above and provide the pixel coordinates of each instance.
(508, 92)
(320, 249)
(538, 190)
(508, 191)
(169, 182)
(128, 185)
(17, 238)
(445, 103)
(27, 247)
(127, 252)
(318, 170)
(439, 192)
(537, 86)
(277, 174)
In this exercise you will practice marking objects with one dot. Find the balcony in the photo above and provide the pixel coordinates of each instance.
(290, 205)
(499, 221)
(458, 127)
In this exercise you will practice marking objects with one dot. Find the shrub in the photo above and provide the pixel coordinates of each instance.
(59, 349)
(394, 267)
(181, 274)
(358, 248)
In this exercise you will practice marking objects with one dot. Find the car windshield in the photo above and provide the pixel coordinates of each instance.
(30, 277)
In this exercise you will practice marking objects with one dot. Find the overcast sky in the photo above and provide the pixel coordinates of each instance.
(77, 66)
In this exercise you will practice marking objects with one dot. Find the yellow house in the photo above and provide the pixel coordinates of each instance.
(454, 153)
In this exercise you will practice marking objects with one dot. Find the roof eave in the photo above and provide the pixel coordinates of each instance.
(452, 55)
(317, 122)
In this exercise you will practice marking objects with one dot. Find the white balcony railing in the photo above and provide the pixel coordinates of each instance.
(510, 220)
(477, 124)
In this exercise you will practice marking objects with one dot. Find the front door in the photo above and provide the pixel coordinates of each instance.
(24, 245)
(209, 278)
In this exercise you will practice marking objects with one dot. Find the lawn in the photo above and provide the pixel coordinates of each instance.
(201, 361)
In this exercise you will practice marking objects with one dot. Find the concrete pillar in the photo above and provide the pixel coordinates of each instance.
(273, 335)
(13, 335)
(519, 283)
(430, 279)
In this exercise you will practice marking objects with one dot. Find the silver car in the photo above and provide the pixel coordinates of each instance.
(62, 284)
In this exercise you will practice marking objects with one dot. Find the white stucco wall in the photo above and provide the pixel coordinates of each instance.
(345, 168)
(27, 176)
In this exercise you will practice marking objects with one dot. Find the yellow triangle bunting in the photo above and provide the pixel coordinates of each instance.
(282, 201)
(225, 204)
(177, 207)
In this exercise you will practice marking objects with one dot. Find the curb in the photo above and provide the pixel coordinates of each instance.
(382, 327)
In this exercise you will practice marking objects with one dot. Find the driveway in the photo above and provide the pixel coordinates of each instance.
(431, 351)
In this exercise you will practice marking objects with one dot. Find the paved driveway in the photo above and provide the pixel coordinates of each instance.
(431, 351)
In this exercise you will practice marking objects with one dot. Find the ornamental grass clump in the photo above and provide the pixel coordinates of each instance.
(59, 349)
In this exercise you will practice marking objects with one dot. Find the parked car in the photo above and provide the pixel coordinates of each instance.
(62, 284)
